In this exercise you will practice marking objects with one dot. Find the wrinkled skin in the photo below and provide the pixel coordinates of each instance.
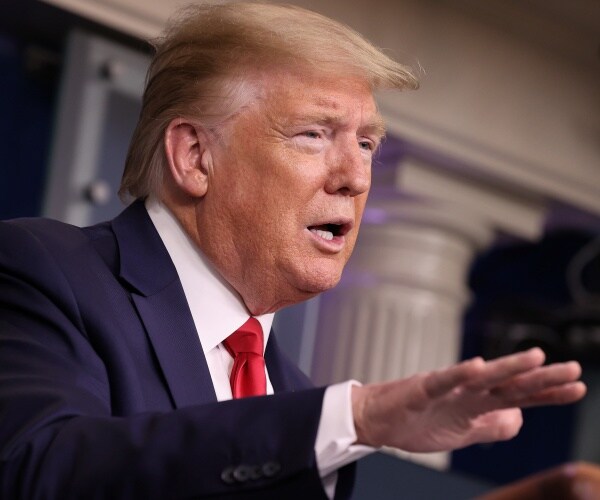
(296, 159)
(472, 402)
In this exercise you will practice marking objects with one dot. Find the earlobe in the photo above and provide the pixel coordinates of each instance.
(187, 156)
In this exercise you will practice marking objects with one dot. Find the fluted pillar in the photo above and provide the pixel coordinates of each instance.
(398, 309)
(399, 306)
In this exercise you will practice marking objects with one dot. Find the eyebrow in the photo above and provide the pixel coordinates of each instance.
(376, 126)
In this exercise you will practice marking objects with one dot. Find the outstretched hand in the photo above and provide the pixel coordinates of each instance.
(471, 402)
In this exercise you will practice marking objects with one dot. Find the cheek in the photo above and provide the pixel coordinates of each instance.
(359, 207)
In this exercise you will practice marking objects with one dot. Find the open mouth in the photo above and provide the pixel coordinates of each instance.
(331, 230)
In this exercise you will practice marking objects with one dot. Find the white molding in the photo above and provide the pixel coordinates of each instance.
(511, 212)
(429, 212)
(497, 166)
(144, 20)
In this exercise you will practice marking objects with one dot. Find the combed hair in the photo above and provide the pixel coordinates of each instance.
(204, 63)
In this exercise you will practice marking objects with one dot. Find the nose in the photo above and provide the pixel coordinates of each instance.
(350, 170)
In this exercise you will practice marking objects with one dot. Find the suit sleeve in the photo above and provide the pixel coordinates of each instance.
(60, 439)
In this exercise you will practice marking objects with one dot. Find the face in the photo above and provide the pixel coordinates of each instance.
(287, 185)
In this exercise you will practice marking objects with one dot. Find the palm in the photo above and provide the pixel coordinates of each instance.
(471, 402)
(455, 421)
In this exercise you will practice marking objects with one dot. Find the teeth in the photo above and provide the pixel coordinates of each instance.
(326, 235)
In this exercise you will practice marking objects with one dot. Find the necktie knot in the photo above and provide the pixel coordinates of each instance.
(246, 346)
(247, 338)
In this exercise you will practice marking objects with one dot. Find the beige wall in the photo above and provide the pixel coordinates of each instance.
(504, 104)
(519, 112)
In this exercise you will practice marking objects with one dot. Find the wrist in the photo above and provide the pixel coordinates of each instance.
(360, 398)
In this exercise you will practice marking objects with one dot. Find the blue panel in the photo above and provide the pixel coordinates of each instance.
(26, 105)
(384, 477)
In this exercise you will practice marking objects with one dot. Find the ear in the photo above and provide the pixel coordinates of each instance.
(188, 156)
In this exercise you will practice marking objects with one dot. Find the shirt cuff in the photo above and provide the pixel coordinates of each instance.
(334, 446)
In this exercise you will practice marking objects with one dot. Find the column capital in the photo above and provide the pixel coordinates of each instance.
(502, 207)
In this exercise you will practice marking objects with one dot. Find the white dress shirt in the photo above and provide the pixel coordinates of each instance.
(217, 311)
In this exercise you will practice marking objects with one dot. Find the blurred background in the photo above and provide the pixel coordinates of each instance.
(482, 232)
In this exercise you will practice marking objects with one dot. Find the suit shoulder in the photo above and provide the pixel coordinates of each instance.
(40, 243)
(47, 233)
(25, 238)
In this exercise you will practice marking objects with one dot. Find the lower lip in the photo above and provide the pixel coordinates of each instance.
(332, 246)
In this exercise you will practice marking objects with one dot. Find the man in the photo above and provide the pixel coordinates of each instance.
(250, 167)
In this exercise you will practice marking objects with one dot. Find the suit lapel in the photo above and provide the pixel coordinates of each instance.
(161, 304)
(284, 374)
(273, 362)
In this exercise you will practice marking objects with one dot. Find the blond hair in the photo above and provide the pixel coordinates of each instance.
(204, 61)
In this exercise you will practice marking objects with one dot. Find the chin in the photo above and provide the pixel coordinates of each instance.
(306, 278)
(319, 280)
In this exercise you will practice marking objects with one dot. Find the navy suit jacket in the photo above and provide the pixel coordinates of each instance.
(104, 388)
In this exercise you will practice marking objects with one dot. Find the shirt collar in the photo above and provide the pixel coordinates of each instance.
(217, 309)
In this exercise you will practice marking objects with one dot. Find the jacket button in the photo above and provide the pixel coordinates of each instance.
(242, 473)
(271, 469)
(227, 475)
(256, 472)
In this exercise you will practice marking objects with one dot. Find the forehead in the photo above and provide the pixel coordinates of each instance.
(290, 98)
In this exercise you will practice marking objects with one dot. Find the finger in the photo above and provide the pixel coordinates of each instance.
(498, 425)
(538, 380)
(440, 382)
(502, 369)
(561, 395)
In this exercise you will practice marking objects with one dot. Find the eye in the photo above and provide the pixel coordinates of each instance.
(311, 134)
(366, 145)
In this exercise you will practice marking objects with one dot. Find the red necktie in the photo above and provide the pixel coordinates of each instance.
(246, 347)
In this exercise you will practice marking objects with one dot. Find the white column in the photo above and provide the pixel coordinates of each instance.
(398, 309)
(399, 306)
